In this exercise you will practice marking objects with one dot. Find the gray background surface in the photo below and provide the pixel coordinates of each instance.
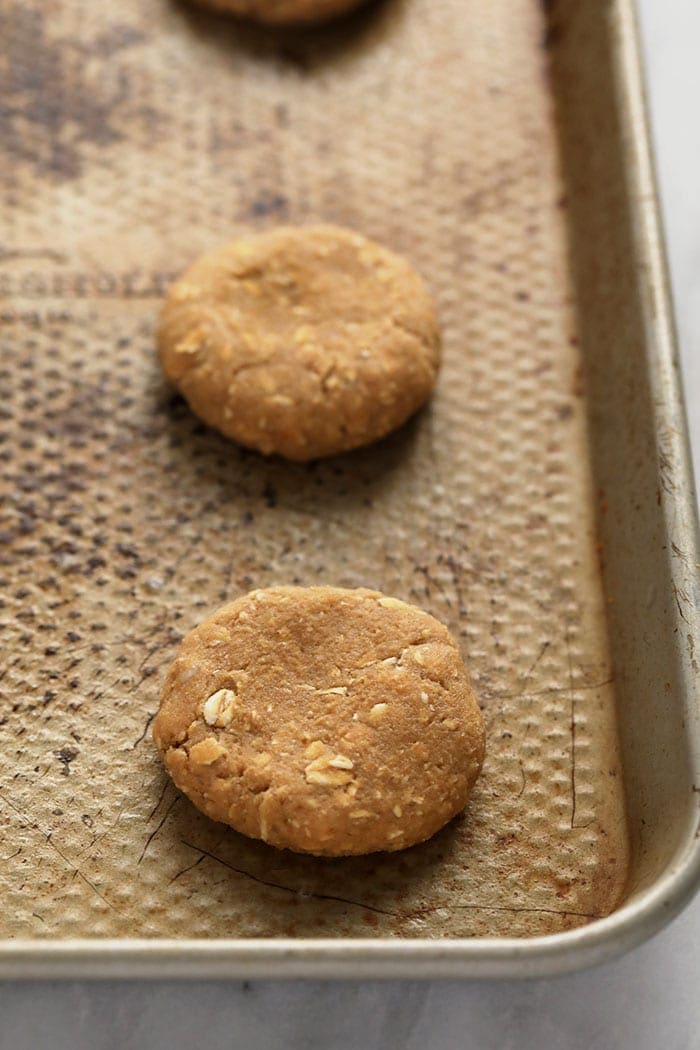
(649, 1000)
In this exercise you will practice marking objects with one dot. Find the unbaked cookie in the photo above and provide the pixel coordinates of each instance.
(301, 341)
(284, 12)
(322, 720)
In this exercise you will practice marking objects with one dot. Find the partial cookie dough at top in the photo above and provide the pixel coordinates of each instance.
(284, 12)
(322, 720)
(301, 341)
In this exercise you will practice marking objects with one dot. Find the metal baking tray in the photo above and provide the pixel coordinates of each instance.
(542, 506)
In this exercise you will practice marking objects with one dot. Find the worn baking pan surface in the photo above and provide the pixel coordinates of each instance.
(133, 137)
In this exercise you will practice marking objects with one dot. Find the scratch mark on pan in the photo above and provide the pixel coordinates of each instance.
(106, 832)
(430, 579)
(46, 835)
(522, 774)
(415, 913)
(551, 690)
(286, 889)
(79, 873)
(151, 815)
(679, 553)
(678, 595)
(158, 645)
(16, 808)
(188, 868)
(509, 908)
(144, 675)
(153, 834)
(143, 732)
(572, 726)
(531, 668)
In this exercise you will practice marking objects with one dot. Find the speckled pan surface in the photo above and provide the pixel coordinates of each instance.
(136, 136)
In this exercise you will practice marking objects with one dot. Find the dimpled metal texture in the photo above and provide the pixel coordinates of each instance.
(134, 136)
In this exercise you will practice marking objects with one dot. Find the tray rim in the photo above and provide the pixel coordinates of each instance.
(338, 958)
(631, 924)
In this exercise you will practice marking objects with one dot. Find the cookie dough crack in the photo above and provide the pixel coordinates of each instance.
(424, 343)
(249, 365)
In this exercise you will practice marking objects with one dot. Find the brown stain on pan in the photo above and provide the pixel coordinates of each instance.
(124, 521)
(53, 98)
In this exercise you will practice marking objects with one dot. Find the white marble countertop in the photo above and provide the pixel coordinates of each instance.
(648, 1000)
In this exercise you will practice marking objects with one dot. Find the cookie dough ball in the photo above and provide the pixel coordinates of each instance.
(301, 341)
(284, 12)
(322, 720)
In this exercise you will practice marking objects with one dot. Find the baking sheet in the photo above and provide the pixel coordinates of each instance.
(135, 136)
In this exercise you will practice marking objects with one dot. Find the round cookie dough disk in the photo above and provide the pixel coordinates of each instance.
(301, 341)
(284, 12)
(322, 720)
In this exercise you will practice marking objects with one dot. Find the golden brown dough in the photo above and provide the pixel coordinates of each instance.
(284, 12)
(322, 720)
(301, 341)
